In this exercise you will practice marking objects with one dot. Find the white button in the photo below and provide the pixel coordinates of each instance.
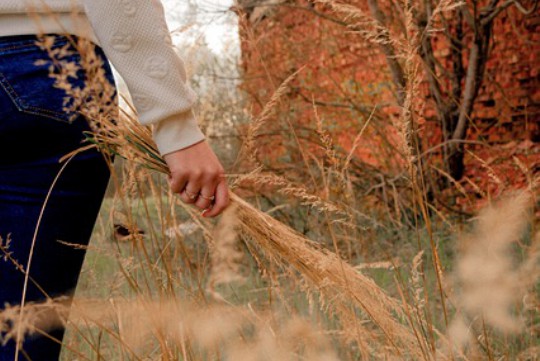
(156, 67)
(128, 7)
(121, 42)
(142, 102)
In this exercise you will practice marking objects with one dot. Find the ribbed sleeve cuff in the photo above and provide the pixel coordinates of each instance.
(177, 132)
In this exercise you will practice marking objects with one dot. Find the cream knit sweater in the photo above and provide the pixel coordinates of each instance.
(135, 38)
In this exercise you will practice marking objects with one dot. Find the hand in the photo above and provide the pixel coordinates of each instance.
(198, 176)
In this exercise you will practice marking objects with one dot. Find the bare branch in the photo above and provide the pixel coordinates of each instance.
(469, 18)
(475, 72)
(491, 14)
(390, 53)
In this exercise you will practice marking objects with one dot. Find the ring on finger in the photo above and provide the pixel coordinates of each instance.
(191, 195)
(208, 198)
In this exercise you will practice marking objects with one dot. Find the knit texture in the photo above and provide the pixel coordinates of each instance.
(135, 38)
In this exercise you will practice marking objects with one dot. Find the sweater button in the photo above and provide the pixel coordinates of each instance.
(121, 42)
(128, 7)
(156, 67)
(142, 102)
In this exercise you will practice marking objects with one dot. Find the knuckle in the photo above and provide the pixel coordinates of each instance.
(196, 174)
(181, 174)
(187, 199)
(209, 173)
(175, 187)
(200, 201)
(220, 172)
(177, 173)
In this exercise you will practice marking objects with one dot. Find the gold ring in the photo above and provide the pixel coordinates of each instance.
(211, 198)
(190, 195)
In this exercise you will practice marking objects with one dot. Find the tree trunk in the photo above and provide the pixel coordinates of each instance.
(455, 162)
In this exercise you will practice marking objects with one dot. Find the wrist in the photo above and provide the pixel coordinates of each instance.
(177, 132)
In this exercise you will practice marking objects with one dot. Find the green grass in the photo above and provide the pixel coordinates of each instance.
(176, 267)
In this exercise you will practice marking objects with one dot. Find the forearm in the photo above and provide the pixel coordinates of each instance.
(136, 40)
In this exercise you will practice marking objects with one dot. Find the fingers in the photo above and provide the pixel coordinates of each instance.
(206, 195)
(197, 176)
(190, 193)
(202, 192)
(221, 201)
(189, 196)
(178, 181)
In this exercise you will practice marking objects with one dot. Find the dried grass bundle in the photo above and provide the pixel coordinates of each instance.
(335, 279)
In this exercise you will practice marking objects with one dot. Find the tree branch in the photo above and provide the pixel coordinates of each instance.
(395, 68)
(491, 13)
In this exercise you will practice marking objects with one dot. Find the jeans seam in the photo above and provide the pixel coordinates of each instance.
(23, 107)
(58, 42)
(16, 47)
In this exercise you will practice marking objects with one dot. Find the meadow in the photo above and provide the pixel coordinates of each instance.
(321, 256)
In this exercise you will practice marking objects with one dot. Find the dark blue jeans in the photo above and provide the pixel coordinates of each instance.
(35, 132)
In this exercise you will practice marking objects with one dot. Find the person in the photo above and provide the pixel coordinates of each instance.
(43, 201)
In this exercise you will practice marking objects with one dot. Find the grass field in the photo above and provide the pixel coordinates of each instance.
(321, 256)
(162, 267)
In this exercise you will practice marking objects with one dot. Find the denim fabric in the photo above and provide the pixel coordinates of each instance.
(35, 133)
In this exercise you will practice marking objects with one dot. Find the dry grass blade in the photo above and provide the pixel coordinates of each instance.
(18, 322)
(133, 322)
(360, 22)
(249, 149)
(490, 279)
(334, 278)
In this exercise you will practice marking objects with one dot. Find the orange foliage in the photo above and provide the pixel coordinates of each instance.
(345, 77)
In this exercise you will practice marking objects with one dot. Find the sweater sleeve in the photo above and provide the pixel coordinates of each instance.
(135, 38)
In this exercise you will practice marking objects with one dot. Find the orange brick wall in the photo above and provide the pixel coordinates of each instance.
(340, 69)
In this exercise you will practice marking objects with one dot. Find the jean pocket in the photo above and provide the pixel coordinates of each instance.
(25, 77)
